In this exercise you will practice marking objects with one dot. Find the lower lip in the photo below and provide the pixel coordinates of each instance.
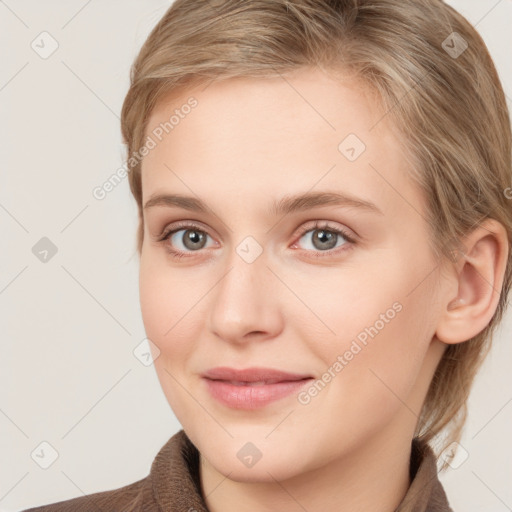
(252, 397)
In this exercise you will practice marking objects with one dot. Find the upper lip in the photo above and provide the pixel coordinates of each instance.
(253, 374)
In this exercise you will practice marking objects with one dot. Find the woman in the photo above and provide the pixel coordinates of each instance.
(324, 239)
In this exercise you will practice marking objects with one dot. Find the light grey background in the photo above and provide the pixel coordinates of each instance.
(69, 326)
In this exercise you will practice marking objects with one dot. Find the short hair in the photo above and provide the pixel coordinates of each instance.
(434, 77)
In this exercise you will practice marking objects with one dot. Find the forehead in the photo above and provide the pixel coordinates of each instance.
(262, 136)
(301, 102)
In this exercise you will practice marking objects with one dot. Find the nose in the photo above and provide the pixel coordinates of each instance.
(246, 302)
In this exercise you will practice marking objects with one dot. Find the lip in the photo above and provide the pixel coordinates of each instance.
(253, 374)
(258, 386)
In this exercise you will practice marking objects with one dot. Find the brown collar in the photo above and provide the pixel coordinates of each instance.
(176, 485)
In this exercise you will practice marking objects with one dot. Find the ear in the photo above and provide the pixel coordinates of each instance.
(473, 296)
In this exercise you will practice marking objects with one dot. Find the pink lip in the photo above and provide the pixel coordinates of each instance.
(277, 385)
(251, 396)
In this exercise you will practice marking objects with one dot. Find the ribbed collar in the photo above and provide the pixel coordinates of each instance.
(176, 485)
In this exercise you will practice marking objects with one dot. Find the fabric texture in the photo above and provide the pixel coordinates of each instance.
(173, 485)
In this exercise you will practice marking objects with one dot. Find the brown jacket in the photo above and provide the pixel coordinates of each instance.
(173, 485)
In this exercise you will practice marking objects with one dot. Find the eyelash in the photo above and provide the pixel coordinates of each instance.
(317, 225)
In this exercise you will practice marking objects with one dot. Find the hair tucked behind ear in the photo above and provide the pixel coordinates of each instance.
(448, 106)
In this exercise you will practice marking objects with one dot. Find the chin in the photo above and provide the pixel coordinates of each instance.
(262, 472)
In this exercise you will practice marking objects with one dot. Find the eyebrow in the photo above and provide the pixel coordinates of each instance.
(285, 205)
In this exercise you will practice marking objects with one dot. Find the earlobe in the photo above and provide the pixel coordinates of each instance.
(480, 275)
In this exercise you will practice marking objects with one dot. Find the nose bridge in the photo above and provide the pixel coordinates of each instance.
(246, 268)
(245, 301)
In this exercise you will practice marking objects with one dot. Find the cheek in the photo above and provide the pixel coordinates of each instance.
(396, 336)
(171, 323)
(167, 305)
(383, 323)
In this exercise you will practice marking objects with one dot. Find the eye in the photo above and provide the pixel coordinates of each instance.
(324, 238)
(187, 238)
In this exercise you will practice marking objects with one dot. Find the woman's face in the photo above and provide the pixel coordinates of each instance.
(256, 285)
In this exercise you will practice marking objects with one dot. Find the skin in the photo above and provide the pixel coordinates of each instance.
(248, 142)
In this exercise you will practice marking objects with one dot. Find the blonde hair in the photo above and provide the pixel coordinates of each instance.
(446, 101)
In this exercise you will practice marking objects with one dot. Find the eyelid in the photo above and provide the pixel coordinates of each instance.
(314, 225)
(179, 225)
